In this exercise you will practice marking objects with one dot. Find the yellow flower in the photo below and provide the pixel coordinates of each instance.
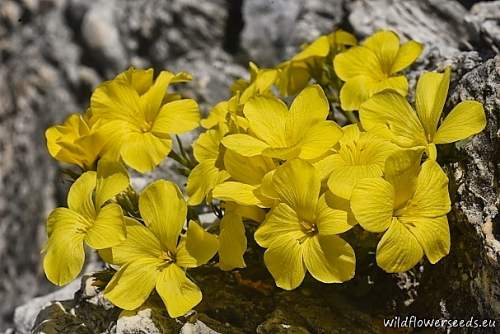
(295, 74)
(89, 218)
(300, 233)
(243, 197)
(156, 255)
(373, 66)
(209, 171)
(260, 83)
(247, 175)
(390, 113)
(223, 114)
(276, 132)
(360, 155)
(411, 213)
(74, 142)
(137, 121)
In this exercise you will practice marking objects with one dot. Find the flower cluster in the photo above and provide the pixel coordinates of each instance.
(349, 153)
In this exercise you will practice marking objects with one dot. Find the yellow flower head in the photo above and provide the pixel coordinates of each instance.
(373, 66)
(155, 255)
(295, 74)
(74, 142)
(137, 116)
(260, 83)
(300, 233)
(209, 171)
(89, 218)
(410, 211)
(359, 155)
(276, 132)
(226, 115)
(390, 113)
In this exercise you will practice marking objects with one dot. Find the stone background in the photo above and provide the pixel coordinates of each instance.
(53, 52)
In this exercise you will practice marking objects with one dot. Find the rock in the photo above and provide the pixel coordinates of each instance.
(25, 315)
(101, 36)
(35, 91)
(486, 17)
(274, 30)
(432, 22)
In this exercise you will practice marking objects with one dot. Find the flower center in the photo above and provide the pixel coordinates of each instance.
(309, 229)
(167, 256)
(146, 126)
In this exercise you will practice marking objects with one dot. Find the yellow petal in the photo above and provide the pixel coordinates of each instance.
(152, 99)
(116, 100)
(112, 179)
(216, 115)
(385, 44)
(267, 118)
(341, 204)
(140, 79)
(372, 204)
(390, 109)
(329, 258)
(140, 243)
(433, 234)
(241, 193)
(357, 90)
(64, 254)
(280, 221)
(308, 108)
(318, 139)
(341, 37)
(401, 170)
(249, 170)
(324, 166)
(207, 145)
(143, 151)
(177, 292)
(397, 83)
(407, 54)
(432, 89)
(131, 286)
(344, 177)
(202, 179)
(232, 242)
(251, 212)
(319, 48)
(298, 185)
(245, 145)
(80, 194)
(177, 117)
(200, 244)
(398, 250)
(330, 220)
(164, 211)
(284, 261)
(293, 77)
(465, 120)
(108, 229)
(431, 198)
(358, 158)
(357, 61)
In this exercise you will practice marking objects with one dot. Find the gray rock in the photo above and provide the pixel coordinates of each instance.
(274, 30)
(25, 315)
(486, 17)
(101, 35)
(432, 22)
